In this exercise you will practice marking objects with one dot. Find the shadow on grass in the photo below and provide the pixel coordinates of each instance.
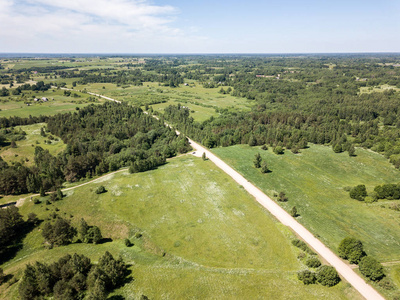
(10, 251)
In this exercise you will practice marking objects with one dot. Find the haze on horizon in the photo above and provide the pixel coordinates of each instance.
(172, 26)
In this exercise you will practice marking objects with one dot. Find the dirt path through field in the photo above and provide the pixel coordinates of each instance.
(343, 269)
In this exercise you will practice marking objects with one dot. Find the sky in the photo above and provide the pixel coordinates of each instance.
(199, 26)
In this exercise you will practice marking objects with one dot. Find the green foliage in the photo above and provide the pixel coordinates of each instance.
(282, 197)
(371, 268)
(279, 150)
(313, 262)
(203, 156)
(358, 192)
(351, 249)
(293, 212)
(387, 191)
(100, 190)
(71, 276)
(307, 277)
(303, 246)
(327, 276)
(128, 243)
(2, 276)
(264, 167)
(89, 234)
(11, 225)
(58, 233)
(257, 160)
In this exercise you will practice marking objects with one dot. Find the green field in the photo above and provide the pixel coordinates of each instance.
(15, 106)
(203, 237)
(26, 148)
(314, 182)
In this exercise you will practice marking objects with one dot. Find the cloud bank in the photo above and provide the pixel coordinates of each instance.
(83, 26)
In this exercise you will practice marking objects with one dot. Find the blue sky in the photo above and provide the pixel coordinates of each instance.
(172, 26)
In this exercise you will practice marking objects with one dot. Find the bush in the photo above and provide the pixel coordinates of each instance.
(278, 150)
(36, 201)
(327, 276)
(303, 246)
(351, 249)
(307, 277)
(371, 268)
(100, 190)
(128, 243)
(313, 262)
(358, 192)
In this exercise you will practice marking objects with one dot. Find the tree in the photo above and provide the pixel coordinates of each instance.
(351, 150)
(2, 276)
(257, 160)
(115, 270)
(94, 235)
(61, 233)
(252, 141)
(282, 197)
(307, 277)
(351, 249)
(371, 268)
(264, 167)
(337, 148)
(313, 262)
(83, 230)
(203, 156)
(358, 192)
(60, 194)
(327, 276)
(293, 212)
(13, 144)
(278, 150)
(100, 190)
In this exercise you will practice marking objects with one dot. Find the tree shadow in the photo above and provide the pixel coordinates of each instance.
(11, 250)
(105, 240)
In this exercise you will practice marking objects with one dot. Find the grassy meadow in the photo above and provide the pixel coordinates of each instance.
(26, 148)
(203, 237)
(315, 182)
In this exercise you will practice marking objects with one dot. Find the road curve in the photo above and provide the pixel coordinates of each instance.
(343, 269)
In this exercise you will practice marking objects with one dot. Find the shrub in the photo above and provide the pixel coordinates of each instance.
(36, 201)
(303, 246)
(351, 249)
(358, 192)
(264, 147)
(307, 277)
(278, 150)
(327, 276)
(313, 262)
(100, 190)
(371, 268)
(128, 243)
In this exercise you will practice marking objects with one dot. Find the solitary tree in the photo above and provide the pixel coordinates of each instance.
(203, 156)
(371, 268)
(293, 212)
(257, 160)
(264, 167)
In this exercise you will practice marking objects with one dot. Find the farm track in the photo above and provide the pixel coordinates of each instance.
(345, 270)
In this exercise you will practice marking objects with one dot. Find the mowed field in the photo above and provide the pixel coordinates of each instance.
(314, 182)
(203, 237)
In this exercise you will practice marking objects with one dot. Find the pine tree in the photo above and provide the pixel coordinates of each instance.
(257, 161)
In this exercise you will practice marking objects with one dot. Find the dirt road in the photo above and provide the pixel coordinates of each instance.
(343, 269)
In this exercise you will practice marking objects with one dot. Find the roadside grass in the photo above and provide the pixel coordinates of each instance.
(25, 150)
(203, 236)
(314, 182)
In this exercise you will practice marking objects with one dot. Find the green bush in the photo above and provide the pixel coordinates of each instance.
(327, 276)
(303, 246)
(100, 190)
(313, 262)
(128, 243)
(307, 277)
(351, 249)
(358, 192)
(371, 268)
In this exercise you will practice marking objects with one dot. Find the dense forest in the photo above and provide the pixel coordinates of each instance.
(99, 138)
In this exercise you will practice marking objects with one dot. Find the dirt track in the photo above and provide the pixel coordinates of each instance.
(343, 269)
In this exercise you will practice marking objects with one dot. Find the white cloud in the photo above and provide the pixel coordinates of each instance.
(128, 26)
